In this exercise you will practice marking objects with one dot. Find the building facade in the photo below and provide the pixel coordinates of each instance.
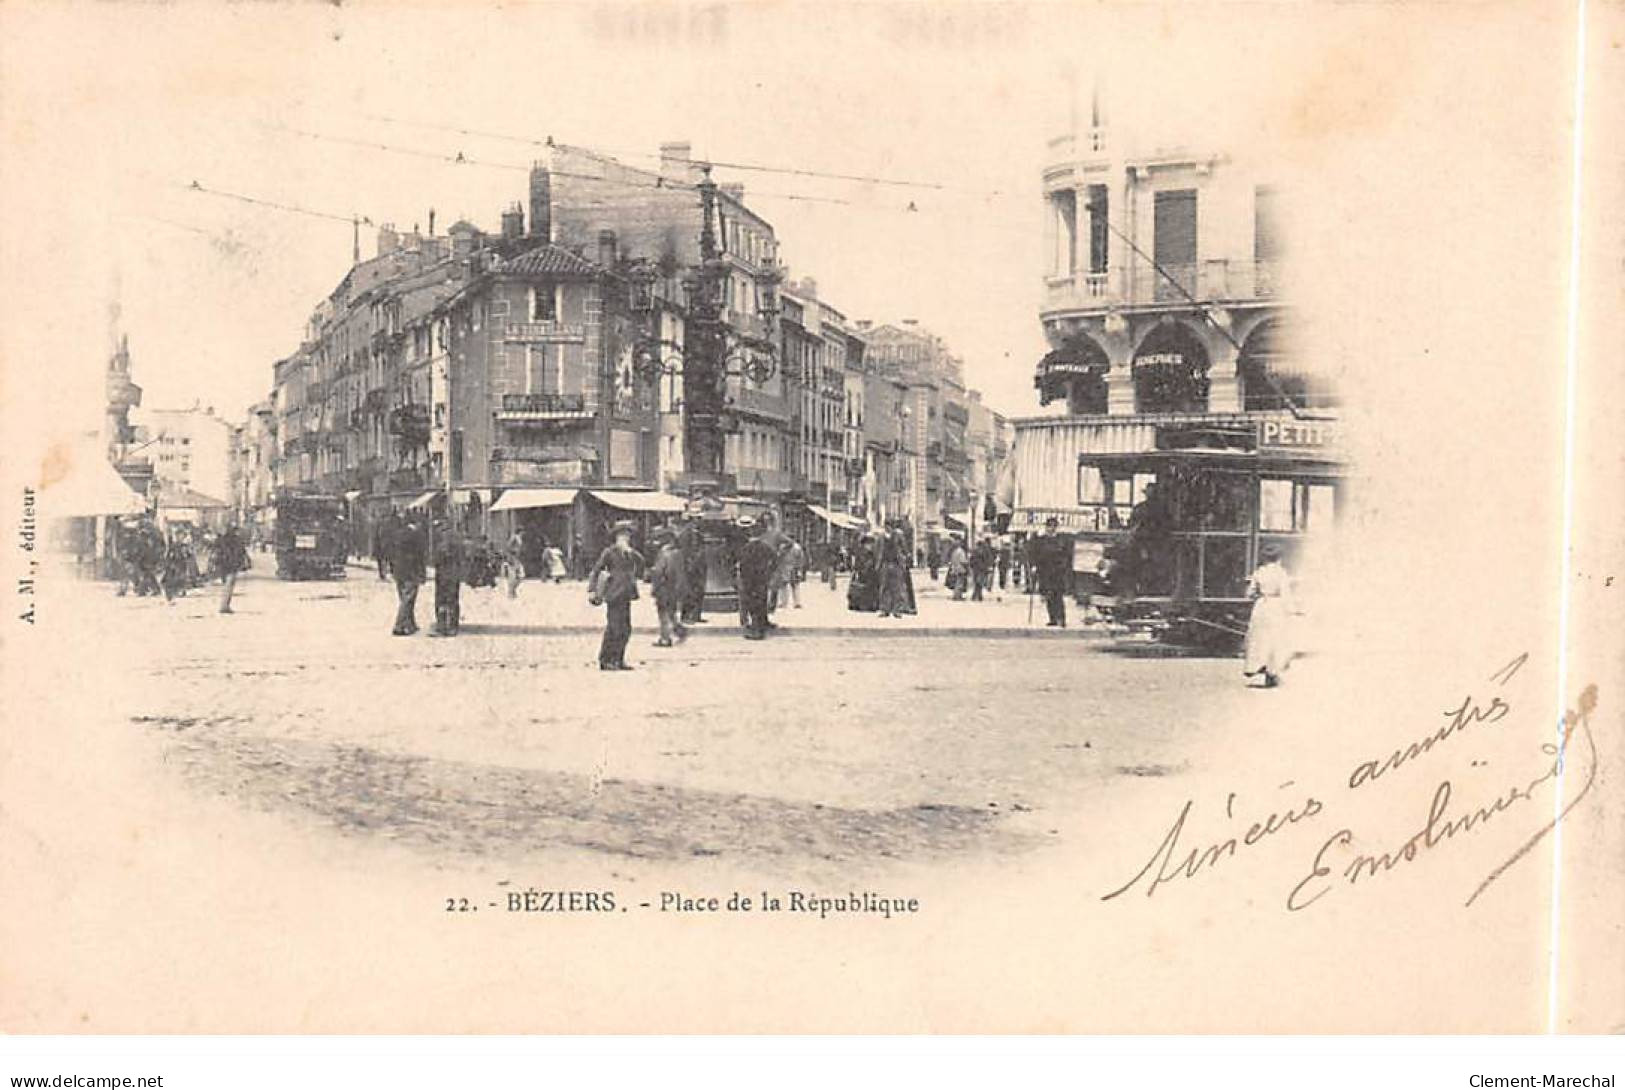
(1166, 315)
(190, 450)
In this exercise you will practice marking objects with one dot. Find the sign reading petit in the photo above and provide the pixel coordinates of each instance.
(1297, 435)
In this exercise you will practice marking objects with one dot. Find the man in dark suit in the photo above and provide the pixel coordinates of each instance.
(1052, 570)
(757, 562)
(614, 582)
(408, 563)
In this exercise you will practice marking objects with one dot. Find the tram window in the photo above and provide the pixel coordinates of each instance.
(1121, 494)
(1227, 505)
(1275, 506)
(1322, 507)
(1294, 506)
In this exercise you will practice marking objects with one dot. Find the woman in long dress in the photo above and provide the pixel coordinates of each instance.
(894, 596)
(1269, 647)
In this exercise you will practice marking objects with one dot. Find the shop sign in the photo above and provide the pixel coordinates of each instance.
(1160, 359)
(545, 333)
(1298, 435)
(1091, 518)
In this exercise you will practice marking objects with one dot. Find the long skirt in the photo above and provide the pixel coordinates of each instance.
(1268, 637)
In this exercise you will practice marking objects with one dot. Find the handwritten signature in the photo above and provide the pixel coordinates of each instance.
(1172, 862)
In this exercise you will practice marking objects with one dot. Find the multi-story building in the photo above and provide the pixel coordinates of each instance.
(254, 453)
(1162, 292)
(190, 450)
(861, 483)
(1170, 339)
(934, 439)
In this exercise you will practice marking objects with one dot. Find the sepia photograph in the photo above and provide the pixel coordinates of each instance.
(882, 518)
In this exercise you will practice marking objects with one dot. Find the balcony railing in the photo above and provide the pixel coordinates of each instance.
(1217, 281)
(536, 404)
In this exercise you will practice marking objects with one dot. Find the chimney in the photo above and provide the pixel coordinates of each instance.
(606, 249)
(541, 203)
(388, 240)
(513, 222)
(676, 158)
(431, 223)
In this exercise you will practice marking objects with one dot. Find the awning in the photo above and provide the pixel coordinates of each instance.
(464, 495)
(422, 501)
(353, 494)
(91, 487)
(524, 499)
(641, 501)
(838, 518)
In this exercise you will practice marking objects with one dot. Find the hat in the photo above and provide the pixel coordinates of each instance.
(663, 535)
(1052, 521)
(745, 522)
(625, 526)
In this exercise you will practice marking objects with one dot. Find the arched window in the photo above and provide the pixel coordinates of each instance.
(1271, 376)
(1171, 372)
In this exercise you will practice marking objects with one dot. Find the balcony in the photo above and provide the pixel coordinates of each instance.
(537, 408)
(1140, 285)
(774, 407)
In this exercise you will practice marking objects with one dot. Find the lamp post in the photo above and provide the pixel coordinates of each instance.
(713, 351)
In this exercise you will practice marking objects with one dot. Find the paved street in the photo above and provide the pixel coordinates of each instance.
(803, 752)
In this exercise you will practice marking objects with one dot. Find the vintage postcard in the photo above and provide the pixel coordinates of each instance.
(809, 518)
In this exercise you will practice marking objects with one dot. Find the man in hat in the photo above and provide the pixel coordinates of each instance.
(757, 562)
(1052, 570)
(613, 581)
(408, 565)
(669, 584)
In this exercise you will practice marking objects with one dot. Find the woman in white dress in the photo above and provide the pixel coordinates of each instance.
(1268, 644)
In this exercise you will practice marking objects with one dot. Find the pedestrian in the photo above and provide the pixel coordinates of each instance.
(1004, 566)
(1269, 647)
(894, 590)
(173, 578)
(229, 557)
(382, 532)
(408, 565)
(669, 585)
(451, 564)
(757, 563)
(1051, 566)
(933, 557)
(863, 589)
(613, 582)
(513, 561)
(792, 570)
(553, 562)
(691, 544)
(958, 569)
(982, 562)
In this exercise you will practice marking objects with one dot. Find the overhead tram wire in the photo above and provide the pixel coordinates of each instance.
(463, 159)
(799, 172)
(197, 187)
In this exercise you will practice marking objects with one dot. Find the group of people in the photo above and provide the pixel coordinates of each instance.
(150, 561)
(768, 565)
(882, 580)
(976, 568)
